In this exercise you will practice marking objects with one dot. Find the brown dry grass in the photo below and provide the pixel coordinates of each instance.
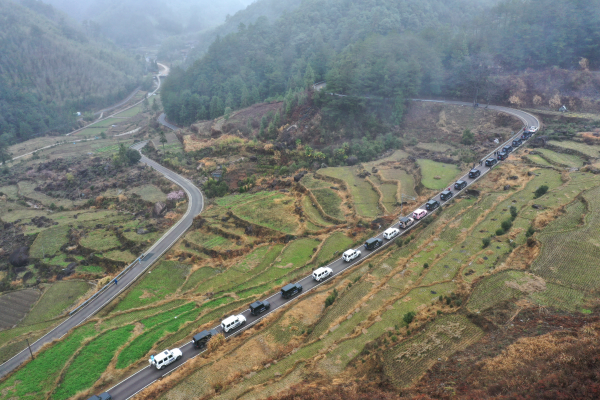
(307, 311)
(531, 350)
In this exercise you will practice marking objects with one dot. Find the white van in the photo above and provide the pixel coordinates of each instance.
(350, 255)
(161, 360)
(322, 273)
(419, 213)
(232, 322)
(391, 233)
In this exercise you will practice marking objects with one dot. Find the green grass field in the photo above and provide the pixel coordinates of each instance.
(534, 158)
(38, 377)
(149, 193)
(330, 202)
(437, 175)
(55, 300)
(100, 240)
(313, 214)
(566, 160)
(156, 284)
(131, 112)
(87, 366)
(365, 199)
(588, 150)
(49, 241)
(280, 216)
(407, 182)
(436, 147)
(388, 190)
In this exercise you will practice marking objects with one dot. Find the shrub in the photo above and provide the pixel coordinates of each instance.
(331, 298)
(513, 212)
(539, 192)
(426, 265)
(499, 232)
(468, 137)
(485, 242)
(506, 225)
(530, 232)
(409, 317)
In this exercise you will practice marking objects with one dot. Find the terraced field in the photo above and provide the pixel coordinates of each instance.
(365, 198)
(408, 361)
(561, 159)
(583, 148)
(436, 175)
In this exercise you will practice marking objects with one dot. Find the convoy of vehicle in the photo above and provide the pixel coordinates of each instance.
(201, 339)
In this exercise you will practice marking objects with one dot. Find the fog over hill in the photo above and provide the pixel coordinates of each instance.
(141, 22)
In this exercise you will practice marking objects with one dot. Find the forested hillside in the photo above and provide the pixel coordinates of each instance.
(272, 9)
(49, 69)
(389, 50)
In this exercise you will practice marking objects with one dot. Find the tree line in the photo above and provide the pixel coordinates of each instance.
(381, 52)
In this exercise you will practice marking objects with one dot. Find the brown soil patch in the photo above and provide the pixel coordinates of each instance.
(146, 295)
(528, 284)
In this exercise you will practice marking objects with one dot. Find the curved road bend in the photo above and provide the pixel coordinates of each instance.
(148, 375)
(195, 206)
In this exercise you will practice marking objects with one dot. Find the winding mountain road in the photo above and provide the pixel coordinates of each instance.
(149, 374)
(93, 305)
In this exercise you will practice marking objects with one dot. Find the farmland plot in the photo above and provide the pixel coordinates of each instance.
(572, 260)
(408, 361)
(365, 198)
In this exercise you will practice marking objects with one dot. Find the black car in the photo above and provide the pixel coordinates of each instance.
(201, 339)
(507, 149)
(474, 173)
(502, 156)
(259, 307)
(460, 185)
(103, 396)
(490, 162)
(289, 290)
(432, 205)
(373, 243)
(445, 195)
(517, 142)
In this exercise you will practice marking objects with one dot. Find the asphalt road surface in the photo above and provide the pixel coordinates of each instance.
(162, 119)
(195, 206)
(148, 375)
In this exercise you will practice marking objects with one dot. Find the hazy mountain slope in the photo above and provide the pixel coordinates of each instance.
(136, 22)
(272, 9)
(49, 69)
